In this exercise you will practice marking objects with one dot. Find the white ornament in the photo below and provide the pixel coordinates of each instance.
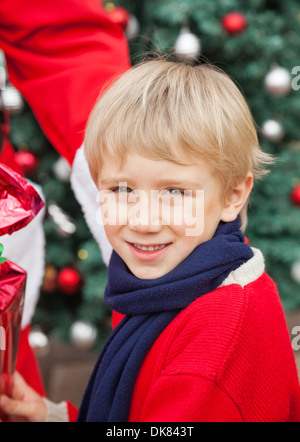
(272, 130)
(83, 335)
(3, 73)
(295, 271)
(64, 223)
(187, 45)
(62, 169)
(132, 28)
(2, 78)
(12, 100)
(39, 342)
(278, 81)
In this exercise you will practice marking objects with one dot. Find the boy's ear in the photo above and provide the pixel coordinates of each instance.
(237, 198)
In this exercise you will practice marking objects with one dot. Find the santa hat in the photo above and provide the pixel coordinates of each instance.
(60, 55)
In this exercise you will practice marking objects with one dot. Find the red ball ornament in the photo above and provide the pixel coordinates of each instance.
(234, 23)
(27, 161)
(69, 281)
(120, 16)
(295, 196)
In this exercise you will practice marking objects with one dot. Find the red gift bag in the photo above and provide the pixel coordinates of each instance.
(19, 204)
(12, 291)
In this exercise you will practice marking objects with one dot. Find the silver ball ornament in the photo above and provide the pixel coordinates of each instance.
(64, 223)
(12, 100)
(278, 81)
(39, 342)
(2, 78)
(62, 169)
(83, 335)
(272, 130)
(187, 45)
(133, 27)
(295, 271)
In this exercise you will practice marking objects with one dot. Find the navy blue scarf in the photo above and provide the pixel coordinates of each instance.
(150, 305)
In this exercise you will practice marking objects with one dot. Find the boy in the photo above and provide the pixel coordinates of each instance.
(199, 333)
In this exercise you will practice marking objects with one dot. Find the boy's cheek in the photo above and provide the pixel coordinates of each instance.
(113, 213)
(112, 233)
(194, 216)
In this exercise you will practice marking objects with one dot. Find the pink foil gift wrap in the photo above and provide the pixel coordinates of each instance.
(12, 292)
(19, 201)
(19, 204)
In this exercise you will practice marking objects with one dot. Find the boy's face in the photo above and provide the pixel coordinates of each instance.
(156, 212)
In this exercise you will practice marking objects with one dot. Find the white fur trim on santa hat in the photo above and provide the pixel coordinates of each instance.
(26, 248)
(86, 194)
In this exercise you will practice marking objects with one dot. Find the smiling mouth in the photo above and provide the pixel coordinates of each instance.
(149, 247)
(149, 252)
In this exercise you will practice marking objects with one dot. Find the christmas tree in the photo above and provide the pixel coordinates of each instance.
(256, 43)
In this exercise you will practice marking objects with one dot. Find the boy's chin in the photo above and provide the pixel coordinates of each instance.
(148, 272)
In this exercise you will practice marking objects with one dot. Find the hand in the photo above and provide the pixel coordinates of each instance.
(25, 404)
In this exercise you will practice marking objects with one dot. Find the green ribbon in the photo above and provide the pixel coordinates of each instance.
(2, 259)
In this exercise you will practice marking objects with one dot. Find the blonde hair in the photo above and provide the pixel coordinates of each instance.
(158, 105)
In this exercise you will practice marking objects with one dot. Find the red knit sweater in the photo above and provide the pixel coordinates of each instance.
(226, 357)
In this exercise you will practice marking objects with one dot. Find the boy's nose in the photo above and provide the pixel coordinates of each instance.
(144, 227)
(144, 223)
(144, 217)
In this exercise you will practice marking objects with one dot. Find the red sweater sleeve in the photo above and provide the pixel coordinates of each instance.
(186, 398)
(60, 54)
(72, 412)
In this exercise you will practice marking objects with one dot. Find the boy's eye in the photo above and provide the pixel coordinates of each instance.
(174, 192)
(122, 189)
